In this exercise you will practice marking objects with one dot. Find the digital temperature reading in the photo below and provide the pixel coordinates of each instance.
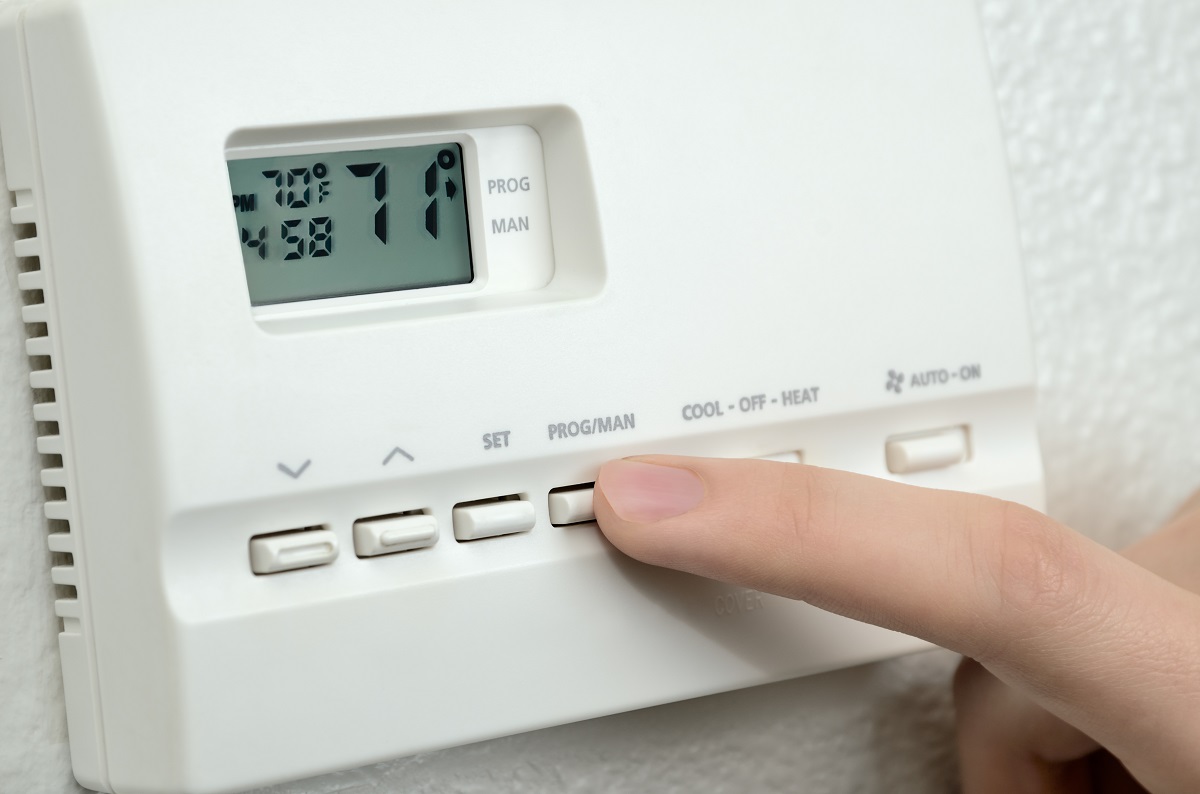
(351, 223)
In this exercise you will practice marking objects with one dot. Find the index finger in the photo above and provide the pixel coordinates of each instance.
(1094, 638)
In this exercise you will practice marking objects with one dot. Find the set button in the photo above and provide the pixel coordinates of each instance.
(505, 516)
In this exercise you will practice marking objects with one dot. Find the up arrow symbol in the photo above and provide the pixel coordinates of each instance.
(294, 473)
(396, 451)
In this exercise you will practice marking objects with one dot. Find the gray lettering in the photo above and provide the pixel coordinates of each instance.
(590, 426)
(929, 378)
(496, 440)
(800, 396)
(505, 225)
(696, 411)
(754, 402)
(509, 185)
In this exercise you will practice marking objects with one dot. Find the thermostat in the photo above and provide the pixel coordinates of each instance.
(335, 310)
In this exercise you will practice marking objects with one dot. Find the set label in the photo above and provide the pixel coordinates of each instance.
(496, 440)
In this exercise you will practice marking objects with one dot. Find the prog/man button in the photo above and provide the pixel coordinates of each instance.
(571, 506)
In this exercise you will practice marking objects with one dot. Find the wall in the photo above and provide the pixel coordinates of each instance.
(1103, 126)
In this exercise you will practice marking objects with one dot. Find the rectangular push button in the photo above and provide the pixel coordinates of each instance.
(475, 520)
(924, 451)
(571, 506)
(387, 534)
(791, 456)
(290, 550)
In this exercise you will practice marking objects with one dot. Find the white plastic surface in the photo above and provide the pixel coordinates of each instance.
(702, 258)
(924, 451)
(390, 534)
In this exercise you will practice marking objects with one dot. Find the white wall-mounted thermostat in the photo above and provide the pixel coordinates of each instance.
(336, 309)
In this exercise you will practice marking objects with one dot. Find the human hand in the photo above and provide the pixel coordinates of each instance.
(1071, 647)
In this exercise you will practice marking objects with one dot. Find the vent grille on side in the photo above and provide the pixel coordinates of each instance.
(44, 379)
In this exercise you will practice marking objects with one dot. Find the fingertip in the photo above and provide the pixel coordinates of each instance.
(644, 492)
(635, 497)
(686, 512)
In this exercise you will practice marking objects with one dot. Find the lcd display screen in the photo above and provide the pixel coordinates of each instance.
(351, 222)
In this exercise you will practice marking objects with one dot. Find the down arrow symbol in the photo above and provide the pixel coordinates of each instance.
(294, 474)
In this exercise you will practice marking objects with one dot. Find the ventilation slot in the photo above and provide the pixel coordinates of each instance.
(44, 381)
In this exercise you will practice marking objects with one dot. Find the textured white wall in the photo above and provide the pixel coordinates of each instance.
(1100, 107)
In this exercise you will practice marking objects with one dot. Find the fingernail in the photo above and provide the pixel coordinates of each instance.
(645, 492)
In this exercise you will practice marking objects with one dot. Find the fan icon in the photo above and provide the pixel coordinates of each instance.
(895, 381)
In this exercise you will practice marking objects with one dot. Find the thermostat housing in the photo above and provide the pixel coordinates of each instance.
(336, 309)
